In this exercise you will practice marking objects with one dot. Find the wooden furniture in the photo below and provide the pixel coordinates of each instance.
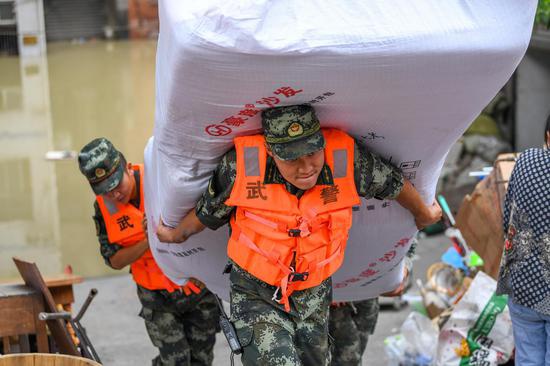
(61, 288)
(19, 309)
(32, 277)
(37, 359)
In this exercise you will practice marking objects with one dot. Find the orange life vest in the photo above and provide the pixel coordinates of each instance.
(289, 242)
(123, 224)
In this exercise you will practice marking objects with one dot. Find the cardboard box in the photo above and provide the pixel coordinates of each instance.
(503, 167)
(480, 215)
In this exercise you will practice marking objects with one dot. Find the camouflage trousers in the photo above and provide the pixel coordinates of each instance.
(182, 327)
(350, 325)
(272, 337)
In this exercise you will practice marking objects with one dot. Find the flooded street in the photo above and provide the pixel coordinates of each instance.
(59, 103)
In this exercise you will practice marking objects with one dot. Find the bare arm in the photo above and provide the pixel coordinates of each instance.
(188, 226)
(423, 215)
(128, 255)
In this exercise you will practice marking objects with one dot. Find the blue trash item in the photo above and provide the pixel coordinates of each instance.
(453, 258)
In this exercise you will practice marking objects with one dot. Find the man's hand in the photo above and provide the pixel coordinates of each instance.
(411, 200)
(429, 216)
(401, 288)
(167, 234)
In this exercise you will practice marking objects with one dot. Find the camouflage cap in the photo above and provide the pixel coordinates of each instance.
(102, 165)
(292, 131)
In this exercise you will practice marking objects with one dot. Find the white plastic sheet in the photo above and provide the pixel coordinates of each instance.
(482, 320)
(406, 77)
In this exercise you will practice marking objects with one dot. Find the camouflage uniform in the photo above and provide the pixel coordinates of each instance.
(351, 324)
(267, 332)
(270, 335)
(183, 327)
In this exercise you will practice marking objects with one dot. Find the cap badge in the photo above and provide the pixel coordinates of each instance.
(295, 129)
(99, 172)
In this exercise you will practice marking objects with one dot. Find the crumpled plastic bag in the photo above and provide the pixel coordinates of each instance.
(479, 331)
(415, 345)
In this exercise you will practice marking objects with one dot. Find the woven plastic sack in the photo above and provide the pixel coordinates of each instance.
(404, 77)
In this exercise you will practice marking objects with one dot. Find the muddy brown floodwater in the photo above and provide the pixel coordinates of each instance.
(59, 103)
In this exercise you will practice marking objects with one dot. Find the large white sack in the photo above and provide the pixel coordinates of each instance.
(406, 77)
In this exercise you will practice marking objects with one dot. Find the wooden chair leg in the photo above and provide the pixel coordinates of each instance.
(40, 326)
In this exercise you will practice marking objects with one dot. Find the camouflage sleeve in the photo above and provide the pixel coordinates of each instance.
(375, 178)
(211, 209)
(106, 248)
(410, 254)
(412, 250)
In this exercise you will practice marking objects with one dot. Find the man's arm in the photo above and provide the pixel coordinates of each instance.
(128, 255)
(188, 226)
(211, 210)
(424, 215)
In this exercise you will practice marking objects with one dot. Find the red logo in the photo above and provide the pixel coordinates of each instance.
(217, 130)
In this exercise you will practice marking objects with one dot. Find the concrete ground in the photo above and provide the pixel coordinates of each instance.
(119, 336)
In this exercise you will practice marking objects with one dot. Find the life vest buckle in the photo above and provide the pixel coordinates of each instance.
(298, 276)
(294, 233)
(276, 294)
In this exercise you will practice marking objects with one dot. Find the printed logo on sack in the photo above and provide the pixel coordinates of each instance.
(218, 130)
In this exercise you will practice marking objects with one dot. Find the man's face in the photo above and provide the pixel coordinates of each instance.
(302, 172)
(123, 192)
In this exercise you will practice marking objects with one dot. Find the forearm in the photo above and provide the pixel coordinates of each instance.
(128, 255)
(424, 215)
(411, 199)
(188, 226)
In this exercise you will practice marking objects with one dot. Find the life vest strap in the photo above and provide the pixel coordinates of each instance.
(289, 274)
(287, 287)
(191, 286)
(307, 224)
(262, 220)
(332, 257)
(273, 257)
(275, 260)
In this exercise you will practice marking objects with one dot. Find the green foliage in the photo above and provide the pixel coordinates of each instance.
(543, 13)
